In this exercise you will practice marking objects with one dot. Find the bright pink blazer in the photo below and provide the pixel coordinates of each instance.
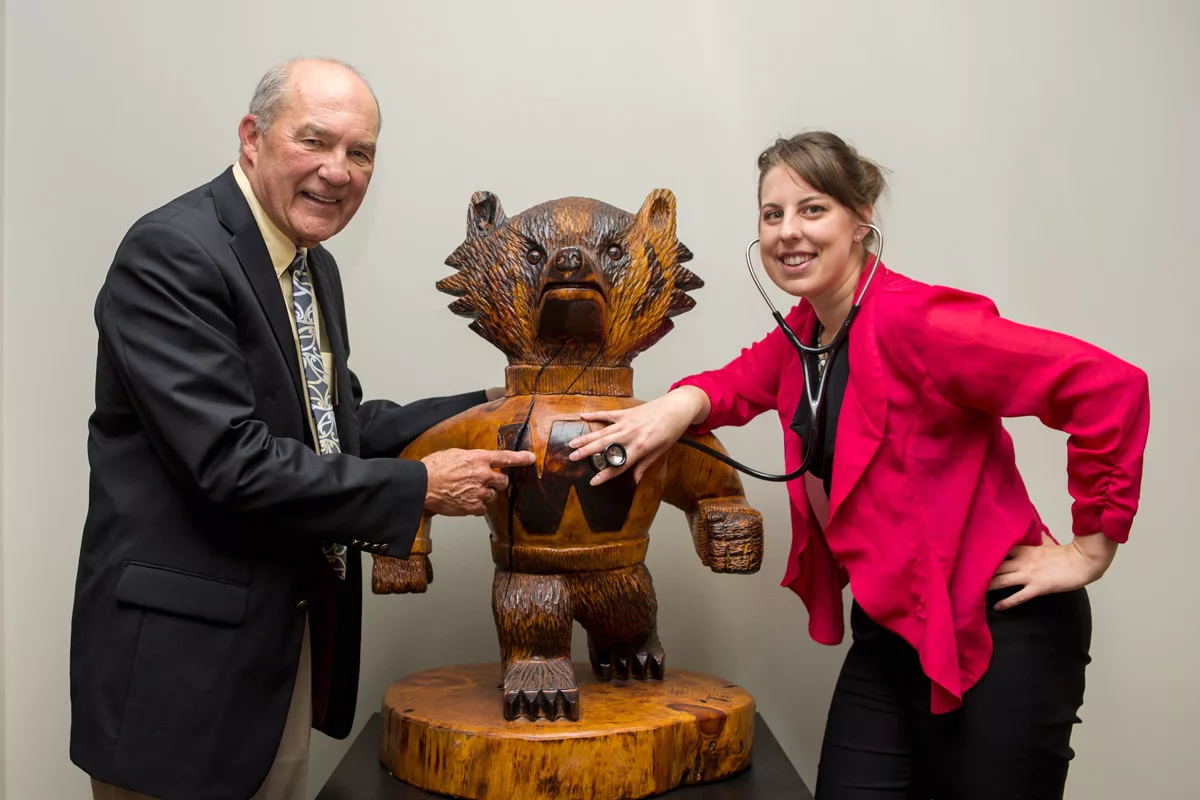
(926, 499)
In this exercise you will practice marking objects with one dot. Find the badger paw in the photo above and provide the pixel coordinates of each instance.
(410, 575)
(625, 660)
(544, 688)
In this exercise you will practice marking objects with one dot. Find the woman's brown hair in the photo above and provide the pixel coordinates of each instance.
(829, 165)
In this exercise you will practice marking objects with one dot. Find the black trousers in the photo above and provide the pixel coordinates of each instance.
(1011, 737)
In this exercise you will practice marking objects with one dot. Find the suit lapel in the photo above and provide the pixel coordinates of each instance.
(864, 408)
(251, 251)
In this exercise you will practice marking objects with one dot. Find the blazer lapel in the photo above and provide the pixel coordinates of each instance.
(864, 408)
(251, 251)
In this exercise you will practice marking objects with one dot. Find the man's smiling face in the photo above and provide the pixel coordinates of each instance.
(311, 168)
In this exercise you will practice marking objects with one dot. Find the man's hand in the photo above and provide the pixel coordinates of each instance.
(463, 482)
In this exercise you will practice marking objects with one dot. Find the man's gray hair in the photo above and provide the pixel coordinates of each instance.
(270, 95)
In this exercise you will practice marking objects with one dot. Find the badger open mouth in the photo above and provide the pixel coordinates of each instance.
(572, 311)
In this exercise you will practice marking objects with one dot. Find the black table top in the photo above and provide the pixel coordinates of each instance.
(361, 777)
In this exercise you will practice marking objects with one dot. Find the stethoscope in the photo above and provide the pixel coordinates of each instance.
(614, 454)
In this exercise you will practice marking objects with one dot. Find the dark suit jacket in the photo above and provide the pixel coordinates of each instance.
(201, 552)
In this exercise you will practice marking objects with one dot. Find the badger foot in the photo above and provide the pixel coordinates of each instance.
(643, 660)
(537, 687)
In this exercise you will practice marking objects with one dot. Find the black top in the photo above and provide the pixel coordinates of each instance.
(829, 410)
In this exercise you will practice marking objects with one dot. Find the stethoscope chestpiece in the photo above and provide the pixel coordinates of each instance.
(613, 455)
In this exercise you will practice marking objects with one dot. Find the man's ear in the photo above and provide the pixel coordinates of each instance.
(250, 137)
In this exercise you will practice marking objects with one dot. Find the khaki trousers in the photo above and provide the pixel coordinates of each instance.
(288, 778)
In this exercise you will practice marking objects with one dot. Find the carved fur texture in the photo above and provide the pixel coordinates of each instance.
(506, 266)
(571, 291)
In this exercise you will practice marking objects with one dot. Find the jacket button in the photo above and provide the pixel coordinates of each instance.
(383, 548)
(303, 604)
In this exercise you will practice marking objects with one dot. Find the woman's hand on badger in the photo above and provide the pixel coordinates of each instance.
(646, 432)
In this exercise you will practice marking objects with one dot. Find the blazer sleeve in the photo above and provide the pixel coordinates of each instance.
(977, 359)
(387, 428)
(166, 317)
(746, 386)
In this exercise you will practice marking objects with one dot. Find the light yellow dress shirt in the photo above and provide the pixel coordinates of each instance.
(282, 251)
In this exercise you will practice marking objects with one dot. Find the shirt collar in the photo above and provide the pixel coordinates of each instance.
(280, 247)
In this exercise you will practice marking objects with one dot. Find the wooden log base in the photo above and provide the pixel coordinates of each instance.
(443, 730)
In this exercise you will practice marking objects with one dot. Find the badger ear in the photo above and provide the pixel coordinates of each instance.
(484, 215)
(658, 212)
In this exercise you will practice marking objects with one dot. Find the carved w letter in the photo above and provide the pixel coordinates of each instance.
(540, 502)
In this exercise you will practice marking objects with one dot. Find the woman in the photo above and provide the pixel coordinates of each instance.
(970, 625)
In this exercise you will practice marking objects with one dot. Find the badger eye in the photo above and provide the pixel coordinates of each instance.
(534, 256)
(615, 252)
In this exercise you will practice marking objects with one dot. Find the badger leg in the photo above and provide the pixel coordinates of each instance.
(533, 620)
(619, 611)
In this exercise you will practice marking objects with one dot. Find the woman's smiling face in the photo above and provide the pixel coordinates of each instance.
(810, 243)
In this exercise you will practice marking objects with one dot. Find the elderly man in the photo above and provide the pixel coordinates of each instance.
(236, 472)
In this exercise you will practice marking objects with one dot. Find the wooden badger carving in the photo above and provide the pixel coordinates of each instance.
(571, 291)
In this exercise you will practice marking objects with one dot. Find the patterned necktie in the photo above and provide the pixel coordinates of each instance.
(320, 398)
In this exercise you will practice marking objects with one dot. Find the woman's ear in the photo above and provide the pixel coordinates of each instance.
(866, 216)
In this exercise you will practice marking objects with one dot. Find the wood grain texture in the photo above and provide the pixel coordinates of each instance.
(557, 279)
(571, 291)
(727, 532)
(640, 739)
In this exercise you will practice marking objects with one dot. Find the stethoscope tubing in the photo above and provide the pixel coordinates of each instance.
(816, 400)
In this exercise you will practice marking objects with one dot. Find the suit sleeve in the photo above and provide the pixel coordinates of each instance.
(387, 428)
(746, 386)
(977, 359)
(167, 319)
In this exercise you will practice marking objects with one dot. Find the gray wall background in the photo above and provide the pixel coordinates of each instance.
(1040, 152)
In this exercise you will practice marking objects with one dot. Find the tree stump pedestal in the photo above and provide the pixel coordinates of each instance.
(443, 730)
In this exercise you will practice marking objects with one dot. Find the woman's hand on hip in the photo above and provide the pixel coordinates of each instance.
(646, 432)
(1052, 567)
